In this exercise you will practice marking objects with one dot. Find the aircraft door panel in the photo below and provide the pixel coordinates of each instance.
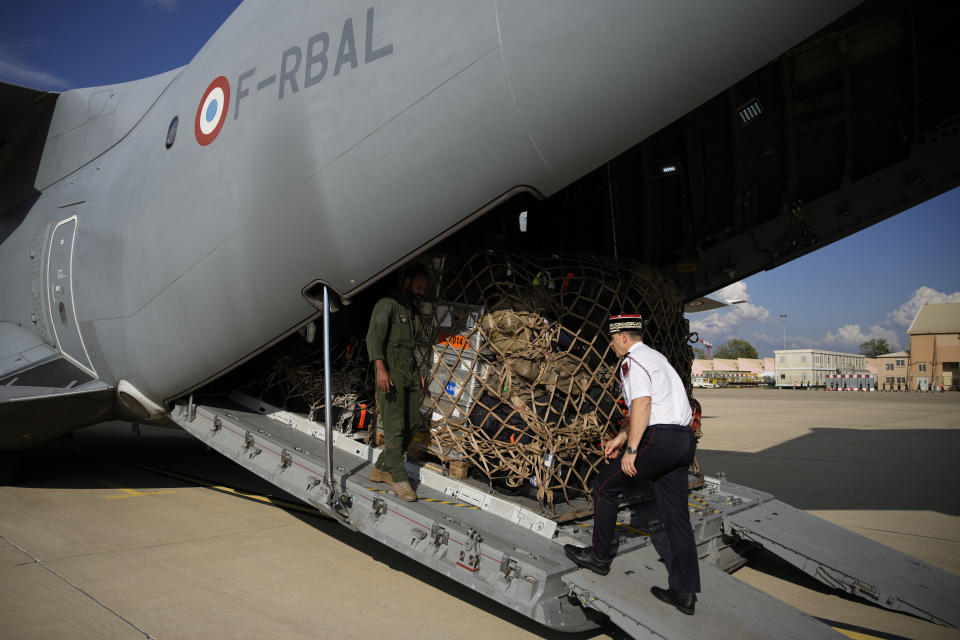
(38, 285)
(63, 314)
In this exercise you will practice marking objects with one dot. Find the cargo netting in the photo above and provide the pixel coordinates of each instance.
(295, 379)
(521, 379)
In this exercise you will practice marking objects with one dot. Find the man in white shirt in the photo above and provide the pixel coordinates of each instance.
(658, 444)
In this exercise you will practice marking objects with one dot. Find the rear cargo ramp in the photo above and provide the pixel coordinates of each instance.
(727, 608)
(845, 560)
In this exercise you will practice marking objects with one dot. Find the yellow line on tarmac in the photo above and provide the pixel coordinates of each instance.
(283, 504)
(856, 635)
(859, 633)
(129, 493)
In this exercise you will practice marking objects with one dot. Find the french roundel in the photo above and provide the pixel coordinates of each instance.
(212, 111)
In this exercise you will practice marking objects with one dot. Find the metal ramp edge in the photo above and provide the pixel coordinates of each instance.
(506, 561)
(727, 609)
(450, 487)
(846, 560)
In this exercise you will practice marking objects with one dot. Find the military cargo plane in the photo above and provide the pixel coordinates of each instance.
(156, 234)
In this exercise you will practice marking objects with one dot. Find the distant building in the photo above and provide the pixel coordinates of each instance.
(724, 371)
(752, 365)
(769, 370)
(934, 347)
(809, 367)
(892, 370)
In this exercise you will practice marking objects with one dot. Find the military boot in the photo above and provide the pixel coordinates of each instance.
(404, 491)
(376, 475)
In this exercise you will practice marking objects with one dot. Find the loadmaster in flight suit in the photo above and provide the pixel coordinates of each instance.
(390, 345)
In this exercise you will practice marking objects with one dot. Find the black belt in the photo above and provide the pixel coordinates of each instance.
(670, 427)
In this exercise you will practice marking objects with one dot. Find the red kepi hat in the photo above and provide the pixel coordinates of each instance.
(626, 322)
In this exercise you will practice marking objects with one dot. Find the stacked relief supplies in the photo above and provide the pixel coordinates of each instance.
(520, 381)
(520, 378)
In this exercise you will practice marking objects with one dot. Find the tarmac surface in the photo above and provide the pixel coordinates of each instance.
(102, 539)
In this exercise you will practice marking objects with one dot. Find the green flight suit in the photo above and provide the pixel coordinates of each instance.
(393, 330)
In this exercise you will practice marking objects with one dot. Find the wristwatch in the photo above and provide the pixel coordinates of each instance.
(630, 450)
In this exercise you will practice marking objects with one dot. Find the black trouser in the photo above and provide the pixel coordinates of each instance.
(664, 453)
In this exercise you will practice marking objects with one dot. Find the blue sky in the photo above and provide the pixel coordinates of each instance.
(57, 45)
(867, 285)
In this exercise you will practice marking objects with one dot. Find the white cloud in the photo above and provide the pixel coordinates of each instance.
(713, 323)
(750, 311)
(15, 71)
(723, 323)
(905, 313)
(852, 336)
(735, 291)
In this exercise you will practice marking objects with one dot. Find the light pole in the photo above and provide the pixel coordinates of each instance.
(783, 318)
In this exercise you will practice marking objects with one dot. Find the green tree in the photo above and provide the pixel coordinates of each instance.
(735, 349)
(874, 347)
(699, 353)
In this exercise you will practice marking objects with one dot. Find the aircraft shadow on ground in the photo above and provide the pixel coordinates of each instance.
(830, 469)
(825, 469)
(876, 469)
(100, 456)
(103, 454)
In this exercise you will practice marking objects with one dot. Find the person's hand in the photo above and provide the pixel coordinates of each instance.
(613, 446)
(384, 381)
(626, 463)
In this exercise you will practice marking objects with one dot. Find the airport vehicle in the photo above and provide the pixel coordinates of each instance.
(158, 233)
(700, 382)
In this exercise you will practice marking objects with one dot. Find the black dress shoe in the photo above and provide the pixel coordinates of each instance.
(684, 602)
(587, 558)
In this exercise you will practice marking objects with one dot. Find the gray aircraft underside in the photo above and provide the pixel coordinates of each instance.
(156, 233)
(353, 135)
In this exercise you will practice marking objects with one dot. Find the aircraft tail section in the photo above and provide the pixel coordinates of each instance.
(87, 122)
